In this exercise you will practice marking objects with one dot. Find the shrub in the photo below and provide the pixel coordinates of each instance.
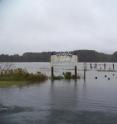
(67, 75)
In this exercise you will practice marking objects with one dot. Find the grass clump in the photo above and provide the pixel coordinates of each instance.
(21, 75)
(66, 76)
(57, 77)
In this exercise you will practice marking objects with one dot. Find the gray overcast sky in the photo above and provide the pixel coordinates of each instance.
(47, 25)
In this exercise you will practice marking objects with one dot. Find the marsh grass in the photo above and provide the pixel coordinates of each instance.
(19, 76)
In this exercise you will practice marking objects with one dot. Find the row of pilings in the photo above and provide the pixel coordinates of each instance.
(92, 65)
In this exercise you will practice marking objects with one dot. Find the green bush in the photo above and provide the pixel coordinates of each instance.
(67, 75)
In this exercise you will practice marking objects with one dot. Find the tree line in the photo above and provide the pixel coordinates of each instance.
(83, 56)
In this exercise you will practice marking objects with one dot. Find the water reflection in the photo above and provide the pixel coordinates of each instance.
(64, 94)
(63, 99)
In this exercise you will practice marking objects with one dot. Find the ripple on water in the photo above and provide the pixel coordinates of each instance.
(13, 109)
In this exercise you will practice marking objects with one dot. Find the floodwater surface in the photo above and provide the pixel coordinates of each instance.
(92, 101)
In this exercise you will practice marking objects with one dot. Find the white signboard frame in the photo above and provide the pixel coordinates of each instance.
(67, 59)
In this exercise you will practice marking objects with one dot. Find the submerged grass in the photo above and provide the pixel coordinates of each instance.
(4, 84)
(19, 77)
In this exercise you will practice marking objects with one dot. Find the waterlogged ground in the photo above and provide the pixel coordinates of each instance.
(92, 101)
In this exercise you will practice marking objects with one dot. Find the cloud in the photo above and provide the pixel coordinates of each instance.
(43, 25)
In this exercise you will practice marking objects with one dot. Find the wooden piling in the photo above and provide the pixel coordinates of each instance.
(75, 72)
(104, 66)
(113, 67)
(52, 72)
(84, 71)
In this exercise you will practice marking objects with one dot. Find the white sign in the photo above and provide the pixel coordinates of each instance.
(64, 59)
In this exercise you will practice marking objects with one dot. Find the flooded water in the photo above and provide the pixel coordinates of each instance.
(92, 101)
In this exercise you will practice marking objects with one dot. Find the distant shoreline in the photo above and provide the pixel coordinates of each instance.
(83, 56)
